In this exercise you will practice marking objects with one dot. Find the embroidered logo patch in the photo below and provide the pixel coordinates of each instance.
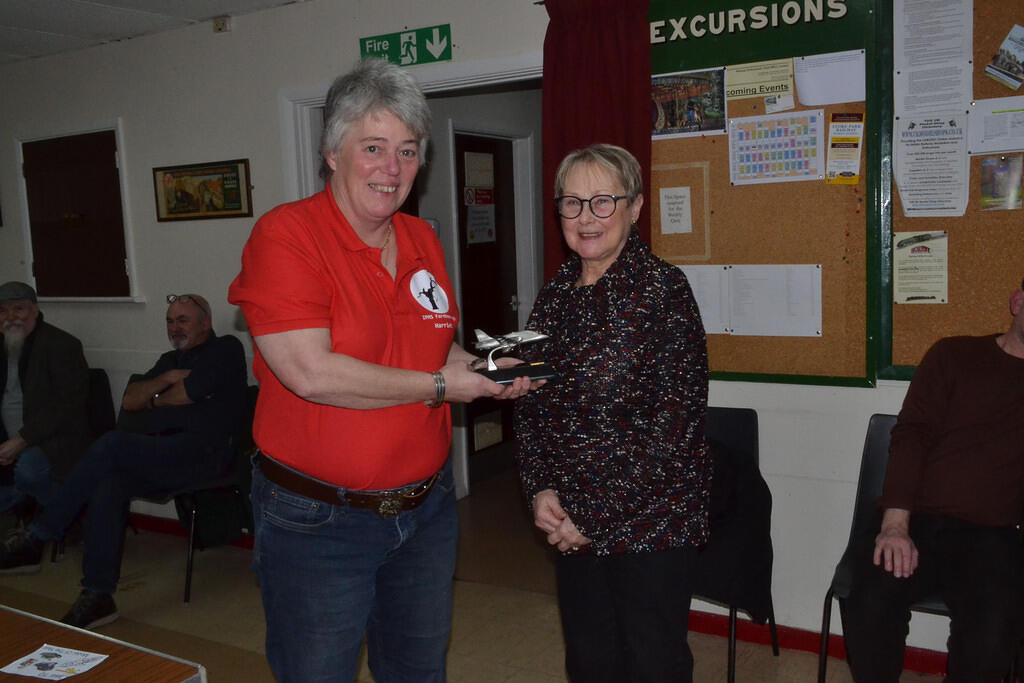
(428, 293)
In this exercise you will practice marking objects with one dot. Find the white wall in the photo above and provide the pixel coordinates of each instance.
(194, 96)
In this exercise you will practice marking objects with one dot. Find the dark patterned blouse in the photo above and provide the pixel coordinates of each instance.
(619, 436)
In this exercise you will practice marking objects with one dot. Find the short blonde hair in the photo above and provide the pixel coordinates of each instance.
(614, 159)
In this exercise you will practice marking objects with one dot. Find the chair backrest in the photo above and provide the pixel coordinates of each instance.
(736, 428)
(872, 472)
(100, 404)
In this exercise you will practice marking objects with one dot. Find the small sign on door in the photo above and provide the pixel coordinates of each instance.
(480, 224)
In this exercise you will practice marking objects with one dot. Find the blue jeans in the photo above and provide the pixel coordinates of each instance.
(121, 466)
(331, 574)
(31, 480)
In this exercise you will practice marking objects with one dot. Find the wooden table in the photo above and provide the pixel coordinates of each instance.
(24, 633)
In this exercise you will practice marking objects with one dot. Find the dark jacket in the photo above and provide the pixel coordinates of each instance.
(55, 383)
(735, 567)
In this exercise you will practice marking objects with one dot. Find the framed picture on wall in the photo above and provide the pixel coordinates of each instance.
(218, 189)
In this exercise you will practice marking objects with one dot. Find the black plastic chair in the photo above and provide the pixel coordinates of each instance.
(224, 500)
(99, 407)
(735, 567)
(869, 487)
(874, 463)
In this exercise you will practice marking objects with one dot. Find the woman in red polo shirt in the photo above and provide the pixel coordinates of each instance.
(353, 318)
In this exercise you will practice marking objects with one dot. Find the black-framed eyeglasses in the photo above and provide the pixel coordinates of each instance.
(601, 205)
(188, 298)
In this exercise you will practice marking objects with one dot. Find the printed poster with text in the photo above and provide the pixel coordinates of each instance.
(777, 147)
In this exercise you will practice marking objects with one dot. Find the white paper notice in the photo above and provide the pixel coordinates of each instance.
(710, 286)
(922, 91)
(932, 166)
(777, 147)
(830, 78)
(779, 301)
(920, 267)
(997, 126)
(932, 51)
(931, 32)
(479, 169)
(776, 103)
(766, 300)
(480, 224)
(676, 210)
(52, 663)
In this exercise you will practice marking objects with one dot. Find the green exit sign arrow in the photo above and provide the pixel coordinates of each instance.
(407, 48)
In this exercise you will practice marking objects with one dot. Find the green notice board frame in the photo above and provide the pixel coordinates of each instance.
(764, 31)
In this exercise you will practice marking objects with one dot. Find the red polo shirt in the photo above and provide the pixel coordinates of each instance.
(304, 267)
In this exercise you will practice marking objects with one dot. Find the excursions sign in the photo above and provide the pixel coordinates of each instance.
(719, 32)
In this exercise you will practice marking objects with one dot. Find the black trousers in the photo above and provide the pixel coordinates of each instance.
(976, 569)
(625, 617)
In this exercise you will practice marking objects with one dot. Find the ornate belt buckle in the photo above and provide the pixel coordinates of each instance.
(389, 506)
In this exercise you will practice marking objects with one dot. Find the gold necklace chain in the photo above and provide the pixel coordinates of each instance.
(387, 238)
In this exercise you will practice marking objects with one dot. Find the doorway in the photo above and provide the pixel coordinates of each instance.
(487, 255)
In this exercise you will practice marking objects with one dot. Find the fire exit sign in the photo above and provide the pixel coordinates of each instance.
(415, 46)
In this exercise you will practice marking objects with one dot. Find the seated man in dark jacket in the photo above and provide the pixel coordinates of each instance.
(195, 399)
(45, 382)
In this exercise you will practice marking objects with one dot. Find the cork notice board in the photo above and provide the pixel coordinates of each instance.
(985, 254)
(806, 222)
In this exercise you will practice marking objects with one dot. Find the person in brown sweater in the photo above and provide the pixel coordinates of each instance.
(948, 514)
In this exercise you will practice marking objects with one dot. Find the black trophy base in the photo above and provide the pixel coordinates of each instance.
(535, 371)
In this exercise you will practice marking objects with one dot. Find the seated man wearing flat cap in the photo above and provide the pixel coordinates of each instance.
(194, 398)
(44, 429)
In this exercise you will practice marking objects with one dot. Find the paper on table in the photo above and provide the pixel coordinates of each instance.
(51, 663)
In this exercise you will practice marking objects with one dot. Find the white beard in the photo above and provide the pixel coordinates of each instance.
(14, 339)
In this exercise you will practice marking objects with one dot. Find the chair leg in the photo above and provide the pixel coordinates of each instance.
(57, 552)
(826, 622)
(772, 631)
(732, 644)
(191, 549)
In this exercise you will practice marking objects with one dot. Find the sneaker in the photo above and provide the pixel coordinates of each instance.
(20, 553)
(90, 610)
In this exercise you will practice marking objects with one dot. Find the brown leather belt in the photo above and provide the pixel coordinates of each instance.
(384, 503)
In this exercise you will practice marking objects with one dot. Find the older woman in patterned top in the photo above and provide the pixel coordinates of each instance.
(613, 457)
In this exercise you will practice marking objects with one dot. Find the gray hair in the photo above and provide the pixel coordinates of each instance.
(373, 85)
(618, 161)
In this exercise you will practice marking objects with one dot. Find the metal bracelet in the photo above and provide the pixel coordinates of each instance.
(438, 391)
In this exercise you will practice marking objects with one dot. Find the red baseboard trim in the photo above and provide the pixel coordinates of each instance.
(916, 659)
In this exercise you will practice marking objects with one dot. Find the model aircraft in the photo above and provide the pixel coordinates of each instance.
(486, 342)
(506, 342)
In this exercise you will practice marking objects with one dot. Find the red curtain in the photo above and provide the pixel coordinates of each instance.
(597, 88)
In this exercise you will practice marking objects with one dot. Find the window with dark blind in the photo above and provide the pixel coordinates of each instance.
(73, 189)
